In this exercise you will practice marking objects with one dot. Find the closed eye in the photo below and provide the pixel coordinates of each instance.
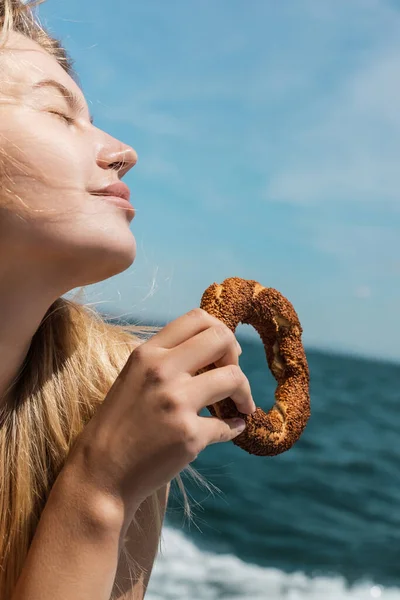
(66, 118)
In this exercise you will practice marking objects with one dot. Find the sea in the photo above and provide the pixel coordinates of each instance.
(320, 521)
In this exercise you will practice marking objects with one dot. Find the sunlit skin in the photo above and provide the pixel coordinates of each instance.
(54, 234)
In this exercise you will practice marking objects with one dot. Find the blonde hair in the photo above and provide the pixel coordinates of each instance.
(73, 360)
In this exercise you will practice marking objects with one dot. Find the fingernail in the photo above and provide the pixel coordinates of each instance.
(239, 348)
(239, 424)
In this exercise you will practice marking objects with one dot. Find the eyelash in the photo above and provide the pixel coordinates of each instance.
(69, 120)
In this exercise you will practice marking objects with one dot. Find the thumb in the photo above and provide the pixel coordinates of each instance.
(223, 430)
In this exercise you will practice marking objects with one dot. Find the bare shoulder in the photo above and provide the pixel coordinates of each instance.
(142, 543)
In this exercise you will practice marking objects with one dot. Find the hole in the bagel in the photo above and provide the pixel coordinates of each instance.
(253, 362)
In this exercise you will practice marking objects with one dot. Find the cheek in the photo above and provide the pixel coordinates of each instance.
(39, 183)
(44, 164)
(46, 214)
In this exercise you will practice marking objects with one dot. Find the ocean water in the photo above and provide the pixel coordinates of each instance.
(319, 521)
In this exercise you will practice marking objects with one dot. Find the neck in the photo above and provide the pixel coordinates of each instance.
(23, 303)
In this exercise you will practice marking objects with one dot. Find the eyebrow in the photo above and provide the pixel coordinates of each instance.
(72, 99)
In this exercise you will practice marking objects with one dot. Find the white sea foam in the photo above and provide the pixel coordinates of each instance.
(184, 572)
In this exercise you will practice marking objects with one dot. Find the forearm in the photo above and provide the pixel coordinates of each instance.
(74, 553)
(142, 543)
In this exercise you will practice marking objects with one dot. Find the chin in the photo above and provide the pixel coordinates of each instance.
(120, 259)
(111, 261)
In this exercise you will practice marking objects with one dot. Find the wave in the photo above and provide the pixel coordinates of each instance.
(184, 572)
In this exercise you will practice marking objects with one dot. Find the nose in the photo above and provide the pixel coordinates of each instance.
(117, 156)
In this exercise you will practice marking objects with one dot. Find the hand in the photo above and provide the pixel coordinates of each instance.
(148, 428)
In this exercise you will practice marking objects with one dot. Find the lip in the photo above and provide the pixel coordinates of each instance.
(121, 202)
(115, 189)
(119, 194)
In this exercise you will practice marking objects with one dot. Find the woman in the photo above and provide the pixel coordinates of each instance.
(94, 421)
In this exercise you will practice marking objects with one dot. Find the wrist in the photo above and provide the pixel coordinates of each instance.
(100, 512)
(105, 506)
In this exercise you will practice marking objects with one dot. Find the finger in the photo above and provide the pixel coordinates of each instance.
(216, 430)
(211, 345)
(183, 328)
(218, 384)
(231, 358)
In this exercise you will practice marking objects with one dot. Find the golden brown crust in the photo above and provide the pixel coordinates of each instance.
(274, 318)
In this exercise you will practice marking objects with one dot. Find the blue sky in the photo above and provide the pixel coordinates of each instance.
(268, 136)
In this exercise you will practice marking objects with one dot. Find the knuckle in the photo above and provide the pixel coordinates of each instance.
(223, 333)
(156, 374)
(188, 438)
(167, 404)
(197, 313)
(204, 316)
(187, 432)
(236, 374)
(224, 435)
(135, 361)
(171, 402)
(139, 354)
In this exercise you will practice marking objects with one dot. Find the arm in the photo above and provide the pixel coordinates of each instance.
(75, 549)
(142, 544)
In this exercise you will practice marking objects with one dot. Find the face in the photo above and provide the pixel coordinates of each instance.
(50, 221)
